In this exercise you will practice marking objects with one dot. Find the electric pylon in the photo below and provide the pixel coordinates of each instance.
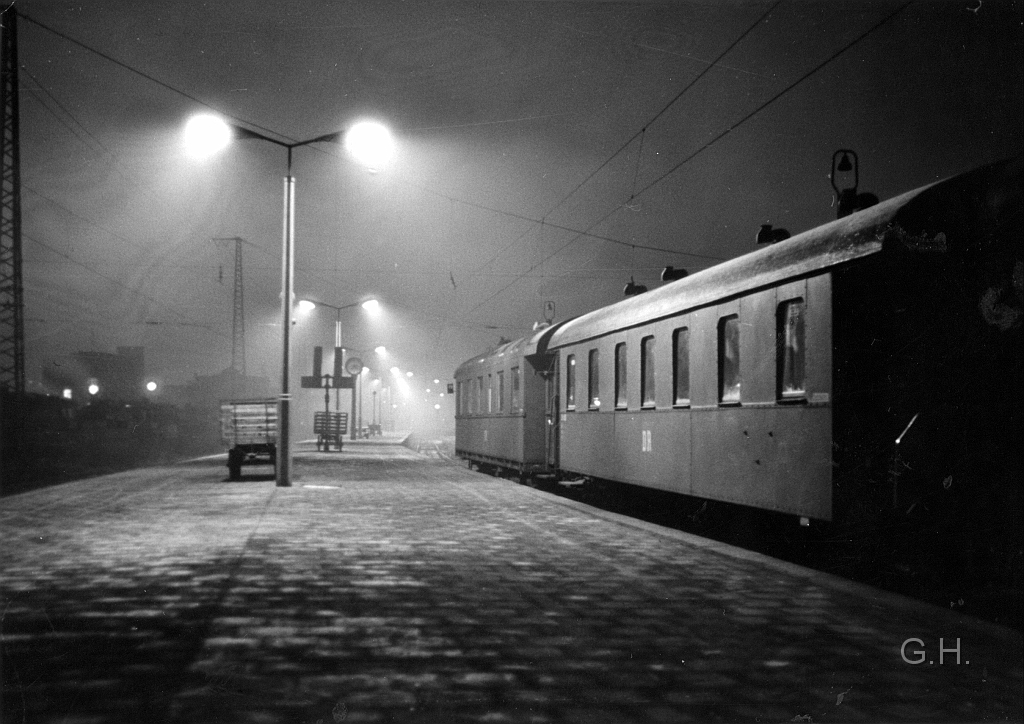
(12, 311)
(238, 316)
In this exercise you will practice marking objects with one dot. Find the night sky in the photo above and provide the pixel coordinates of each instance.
(667, 132)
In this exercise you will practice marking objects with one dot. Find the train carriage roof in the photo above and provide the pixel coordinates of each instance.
(533, 344)
(922, 214)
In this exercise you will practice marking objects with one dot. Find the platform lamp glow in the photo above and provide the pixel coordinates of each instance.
(369, 143)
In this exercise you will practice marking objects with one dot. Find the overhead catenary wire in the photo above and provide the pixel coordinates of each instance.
(707, 145)
(117, 282)
(668, 105)
(776, 97)
(641, 134)
(145, 75)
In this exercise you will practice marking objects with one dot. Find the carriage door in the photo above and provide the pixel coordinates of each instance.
(551, 414)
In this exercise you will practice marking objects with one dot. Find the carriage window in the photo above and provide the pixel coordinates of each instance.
(620, 375)
(460, 396)
(729, 359)
(647, 372)
(515, 389)
(570, 381)
(593, 379)
(501, 392)
(479, 394)
(681, 366)
(490, 393)
(790, 349)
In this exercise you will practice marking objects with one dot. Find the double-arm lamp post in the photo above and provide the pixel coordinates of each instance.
(370, 305)
(371, 144)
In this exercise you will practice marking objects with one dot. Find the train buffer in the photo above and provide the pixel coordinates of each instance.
(329, 427)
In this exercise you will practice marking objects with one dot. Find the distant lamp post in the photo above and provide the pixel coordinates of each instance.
(371, 144)
(370, 305)
(846, 173)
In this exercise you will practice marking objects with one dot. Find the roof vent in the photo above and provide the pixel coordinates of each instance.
(768, 235)
(670, 274)
(632, 288)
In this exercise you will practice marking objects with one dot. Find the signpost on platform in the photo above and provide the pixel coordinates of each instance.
(327, 425)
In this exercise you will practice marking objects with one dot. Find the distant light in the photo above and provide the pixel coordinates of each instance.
(205, 135)
(94, 389)
(381, 351)
(67, 394)
(428, 390)
(395, 371)
(437, 407)
(364, 370)
(370, 143)
(409, 373)
(151, 386)
(306, 306)
(371, 305)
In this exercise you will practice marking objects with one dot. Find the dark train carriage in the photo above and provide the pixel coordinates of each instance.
(875, 358)
(502, 406)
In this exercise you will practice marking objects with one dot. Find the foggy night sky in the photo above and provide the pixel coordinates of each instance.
(500, 110)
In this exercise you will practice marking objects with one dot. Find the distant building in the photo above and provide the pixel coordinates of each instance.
(115, 376)
(209, 390)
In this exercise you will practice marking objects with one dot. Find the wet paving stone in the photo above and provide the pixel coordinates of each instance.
(401, 588)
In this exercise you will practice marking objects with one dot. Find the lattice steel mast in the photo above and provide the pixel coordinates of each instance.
(12, 311)
(238, 318)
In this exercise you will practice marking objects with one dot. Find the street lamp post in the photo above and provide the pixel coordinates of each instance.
(368, 142)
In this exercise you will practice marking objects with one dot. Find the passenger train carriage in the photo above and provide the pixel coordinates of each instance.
(870, 364)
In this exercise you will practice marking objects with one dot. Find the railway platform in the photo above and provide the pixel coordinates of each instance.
(389, 585)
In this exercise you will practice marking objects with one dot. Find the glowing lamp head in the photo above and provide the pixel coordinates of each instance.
(205, 135)
(370, 144)
(151, 386)
(372, 306)
(94, 389)
(306, 306)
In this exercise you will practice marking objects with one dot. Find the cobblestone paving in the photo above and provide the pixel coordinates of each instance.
(388, 586)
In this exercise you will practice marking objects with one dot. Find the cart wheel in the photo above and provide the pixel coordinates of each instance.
(234, 465)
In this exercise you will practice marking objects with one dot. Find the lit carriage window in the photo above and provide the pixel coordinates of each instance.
(490, 393)
(593, 380)
(570, 381)
(620, 375)
(501, 392)
(790, 348)
(681, 366)
(729, 359)
(515, 389)
(647, 372)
